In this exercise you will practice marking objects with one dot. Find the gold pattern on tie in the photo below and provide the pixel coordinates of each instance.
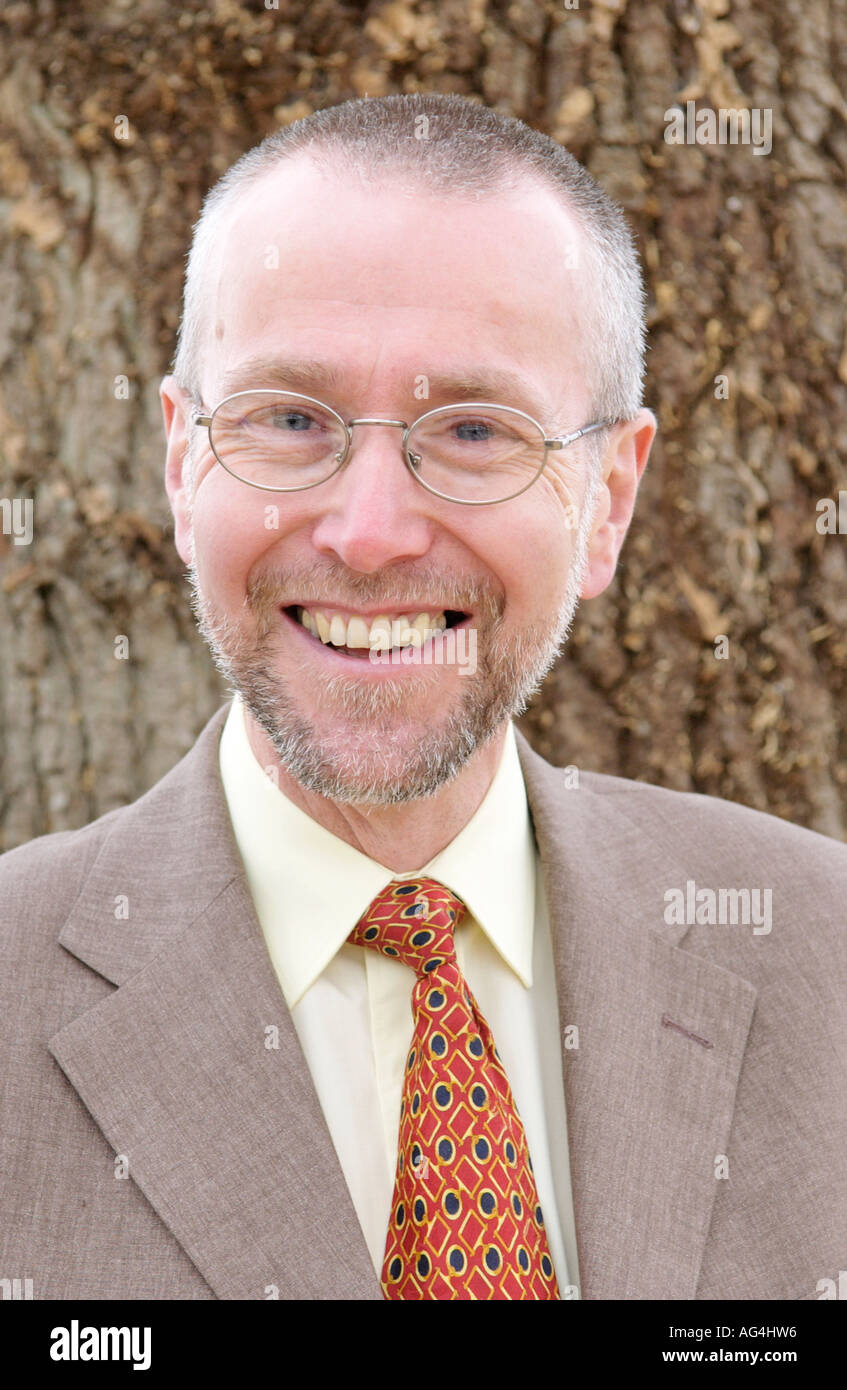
(465, 1217)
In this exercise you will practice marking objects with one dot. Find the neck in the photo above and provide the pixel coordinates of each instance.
(404, 837)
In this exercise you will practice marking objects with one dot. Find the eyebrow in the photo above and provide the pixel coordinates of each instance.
(295, 373)
(306, 375)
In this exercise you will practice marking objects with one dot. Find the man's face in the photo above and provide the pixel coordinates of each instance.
(390, 290)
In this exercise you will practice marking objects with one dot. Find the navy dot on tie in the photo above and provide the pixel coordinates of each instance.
(539, 1217)
(438, 1044)
(395, 1269)
(433, 964)
(400, 1214)
(492, 1260)
(456, 1259)
(423, 1265)
(517, 1204)
(413, 910)
(371, 933)
(487, 1202)
(416, 1102)
(546, 1266)
(389, 951)
(452, 1205)
(523, 1259)
(529, 1162)
(475, 1047)
(421, 938)
(416, 1155)
(419, 1209)
(405, 890)
(443, 1096)
(482, 1149)
(446, 1149)
(435, 999)
(510, 1151)
(411, 1061)
(479, 1097)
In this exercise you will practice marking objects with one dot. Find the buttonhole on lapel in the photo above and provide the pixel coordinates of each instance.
(695, 1037)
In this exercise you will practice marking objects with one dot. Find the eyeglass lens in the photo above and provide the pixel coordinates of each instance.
(472, 454)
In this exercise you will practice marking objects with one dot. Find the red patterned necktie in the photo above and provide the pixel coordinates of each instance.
(465, 1221)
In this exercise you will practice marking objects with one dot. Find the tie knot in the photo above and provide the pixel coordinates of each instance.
(413, 921)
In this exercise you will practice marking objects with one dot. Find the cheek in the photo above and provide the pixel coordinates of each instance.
(541, 544)
(561, 489)
(233, 528)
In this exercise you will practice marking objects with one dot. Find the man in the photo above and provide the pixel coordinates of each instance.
(365, 1000)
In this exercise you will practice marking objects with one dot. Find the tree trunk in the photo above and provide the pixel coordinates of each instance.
(113, 122)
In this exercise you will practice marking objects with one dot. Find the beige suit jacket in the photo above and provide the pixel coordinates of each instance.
(137, 1043)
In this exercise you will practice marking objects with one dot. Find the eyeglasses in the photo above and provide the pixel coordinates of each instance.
(475, 453)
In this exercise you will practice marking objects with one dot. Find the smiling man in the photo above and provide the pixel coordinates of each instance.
(383, 291)
(400, 1012)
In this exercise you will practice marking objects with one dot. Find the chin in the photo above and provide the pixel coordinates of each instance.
(378, 759)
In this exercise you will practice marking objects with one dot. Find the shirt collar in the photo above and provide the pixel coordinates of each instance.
(310, 888)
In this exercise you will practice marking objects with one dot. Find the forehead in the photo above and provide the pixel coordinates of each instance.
(385, 280)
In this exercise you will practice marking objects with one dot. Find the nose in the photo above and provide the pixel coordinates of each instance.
(373, 512)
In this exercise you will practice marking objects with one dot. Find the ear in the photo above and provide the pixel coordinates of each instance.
(175, 411)
(623, 465)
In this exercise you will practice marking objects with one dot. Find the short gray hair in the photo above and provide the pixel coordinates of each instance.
(449, 144)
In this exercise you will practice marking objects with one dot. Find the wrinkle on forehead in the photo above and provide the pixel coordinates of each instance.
(501, 272)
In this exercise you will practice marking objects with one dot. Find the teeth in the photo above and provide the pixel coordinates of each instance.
(357, 633)
(380, 634)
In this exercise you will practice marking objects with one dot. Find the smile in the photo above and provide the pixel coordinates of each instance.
(360, 634)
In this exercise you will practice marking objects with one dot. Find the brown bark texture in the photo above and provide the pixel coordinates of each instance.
(114, 120)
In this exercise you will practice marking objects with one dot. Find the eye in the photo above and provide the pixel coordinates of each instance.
(290, 420)
(474, 431)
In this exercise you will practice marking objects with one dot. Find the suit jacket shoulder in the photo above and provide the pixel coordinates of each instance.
(709, 866)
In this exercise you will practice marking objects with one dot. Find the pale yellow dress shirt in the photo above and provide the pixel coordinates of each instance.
(352, 1009)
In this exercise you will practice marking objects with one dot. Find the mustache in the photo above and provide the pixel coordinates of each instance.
(331, 583)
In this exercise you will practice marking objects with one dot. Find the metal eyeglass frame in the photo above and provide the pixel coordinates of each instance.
(408, 457)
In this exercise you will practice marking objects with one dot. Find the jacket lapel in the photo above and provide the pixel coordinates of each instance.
(650, 1090)
(192, 1067)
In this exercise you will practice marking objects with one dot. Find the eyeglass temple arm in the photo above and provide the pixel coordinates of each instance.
(577, 434)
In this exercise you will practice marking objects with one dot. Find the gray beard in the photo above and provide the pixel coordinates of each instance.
(375, 759)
